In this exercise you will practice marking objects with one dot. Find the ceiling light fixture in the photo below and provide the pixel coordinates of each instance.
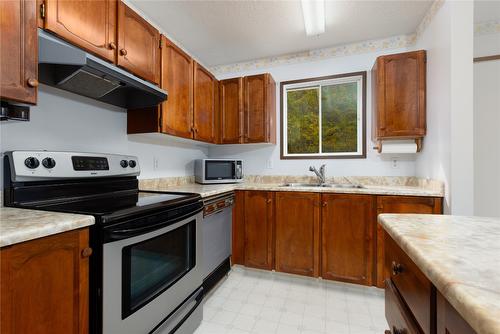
(314, 16)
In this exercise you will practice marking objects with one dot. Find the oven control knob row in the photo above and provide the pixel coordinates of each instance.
(48, 163)
(31, 162)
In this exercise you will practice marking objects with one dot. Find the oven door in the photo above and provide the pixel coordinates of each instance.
(146, 276)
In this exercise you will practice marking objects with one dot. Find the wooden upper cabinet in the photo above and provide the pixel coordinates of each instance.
(138, 45)
(177, 80)
(90, 25)
(204, 104)
(347, 237)
(298, 233)
(231, 109)
(259, 109)
(18, 51)
(400, 204)
(259, 225)
(399, 96)
(44, 286)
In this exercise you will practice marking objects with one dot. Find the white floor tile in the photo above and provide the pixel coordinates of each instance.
(264, 302)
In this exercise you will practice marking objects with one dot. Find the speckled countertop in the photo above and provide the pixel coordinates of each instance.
(371, 185)
(461, 257)
(18, 225)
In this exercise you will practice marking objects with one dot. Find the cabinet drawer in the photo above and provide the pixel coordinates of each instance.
(413, 286)
(398, 316)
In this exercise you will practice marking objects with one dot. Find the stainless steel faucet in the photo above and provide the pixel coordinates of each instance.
(320, 175)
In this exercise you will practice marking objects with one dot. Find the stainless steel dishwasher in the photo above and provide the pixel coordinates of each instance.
(217, 221)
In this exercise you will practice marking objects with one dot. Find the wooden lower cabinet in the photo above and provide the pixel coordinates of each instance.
(347, 237)
(238, 229)
(449, 321)
(413, 305)
(298, 233)
(44, 285)
(400, 204)
(259, 229)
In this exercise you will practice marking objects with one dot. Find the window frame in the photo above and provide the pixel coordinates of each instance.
(303, 83)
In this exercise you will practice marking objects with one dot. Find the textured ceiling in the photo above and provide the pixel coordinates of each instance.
(224, 32)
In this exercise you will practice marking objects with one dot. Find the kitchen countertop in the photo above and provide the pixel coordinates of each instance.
(18, 225)
(216, 189)
(461, 257)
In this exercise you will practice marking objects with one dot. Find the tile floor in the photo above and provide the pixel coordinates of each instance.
(255, 301)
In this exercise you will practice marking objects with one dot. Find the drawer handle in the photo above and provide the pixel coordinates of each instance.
(397, 268)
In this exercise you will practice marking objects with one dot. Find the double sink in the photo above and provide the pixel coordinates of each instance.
(324, 185)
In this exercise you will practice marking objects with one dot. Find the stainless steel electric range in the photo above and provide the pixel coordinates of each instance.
(145, 271)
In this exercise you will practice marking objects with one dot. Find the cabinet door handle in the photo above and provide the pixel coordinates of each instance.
(397, 268)
(123, 52)
(86, 252)
(269, 200)
(112, 46)
(324, 204)
(32, 82)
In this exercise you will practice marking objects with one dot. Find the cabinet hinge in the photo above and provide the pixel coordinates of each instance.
(42, 10)
(161, 44)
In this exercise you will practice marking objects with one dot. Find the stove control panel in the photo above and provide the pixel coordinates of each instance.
(43, 165)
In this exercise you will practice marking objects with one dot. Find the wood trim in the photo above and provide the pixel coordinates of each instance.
(486, 58)
(328, 77)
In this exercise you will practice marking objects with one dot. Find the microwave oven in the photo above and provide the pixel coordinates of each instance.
(209, 171)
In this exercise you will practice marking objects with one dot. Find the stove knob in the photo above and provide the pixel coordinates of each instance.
(31, 162)
(132, 163)
(124, 163)
(48, 163)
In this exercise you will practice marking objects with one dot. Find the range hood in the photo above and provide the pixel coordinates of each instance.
(67, 67)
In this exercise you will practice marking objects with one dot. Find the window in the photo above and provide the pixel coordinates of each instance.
(324, 117)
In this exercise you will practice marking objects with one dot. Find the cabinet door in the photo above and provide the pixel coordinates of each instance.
(400, 204)
(204, 104)
(138, 45)
(297, 233)
(400, 90)
(231, 108)
(44, 286)
(259, 217)
(347, 237)
(255, 115)
(238, 230)
(90, 25)
(177, 80)
(18, 51)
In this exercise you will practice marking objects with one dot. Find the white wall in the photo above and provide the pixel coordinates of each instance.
(448, 154)
(65, 121)
(265, 159)
(486, 124)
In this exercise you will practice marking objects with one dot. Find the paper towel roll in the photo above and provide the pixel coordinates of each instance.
(399, 146)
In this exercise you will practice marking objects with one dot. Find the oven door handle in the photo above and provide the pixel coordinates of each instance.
(117, 233)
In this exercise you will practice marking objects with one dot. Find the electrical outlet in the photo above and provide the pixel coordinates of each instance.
(155, 163)
(269, 164)
(395, 164)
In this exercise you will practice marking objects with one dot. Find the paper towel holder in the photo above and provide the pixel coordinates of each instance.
(378, 146)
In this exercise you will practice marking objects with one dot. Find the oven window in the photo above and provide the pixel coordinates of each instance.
(218, 170)
(152, 266)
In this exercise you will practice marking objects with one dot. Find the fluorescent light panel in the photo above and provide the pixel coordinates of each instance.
(314, 16)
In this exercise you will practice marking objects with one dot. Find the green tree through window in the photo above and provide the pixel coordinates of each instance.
(324, 117)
